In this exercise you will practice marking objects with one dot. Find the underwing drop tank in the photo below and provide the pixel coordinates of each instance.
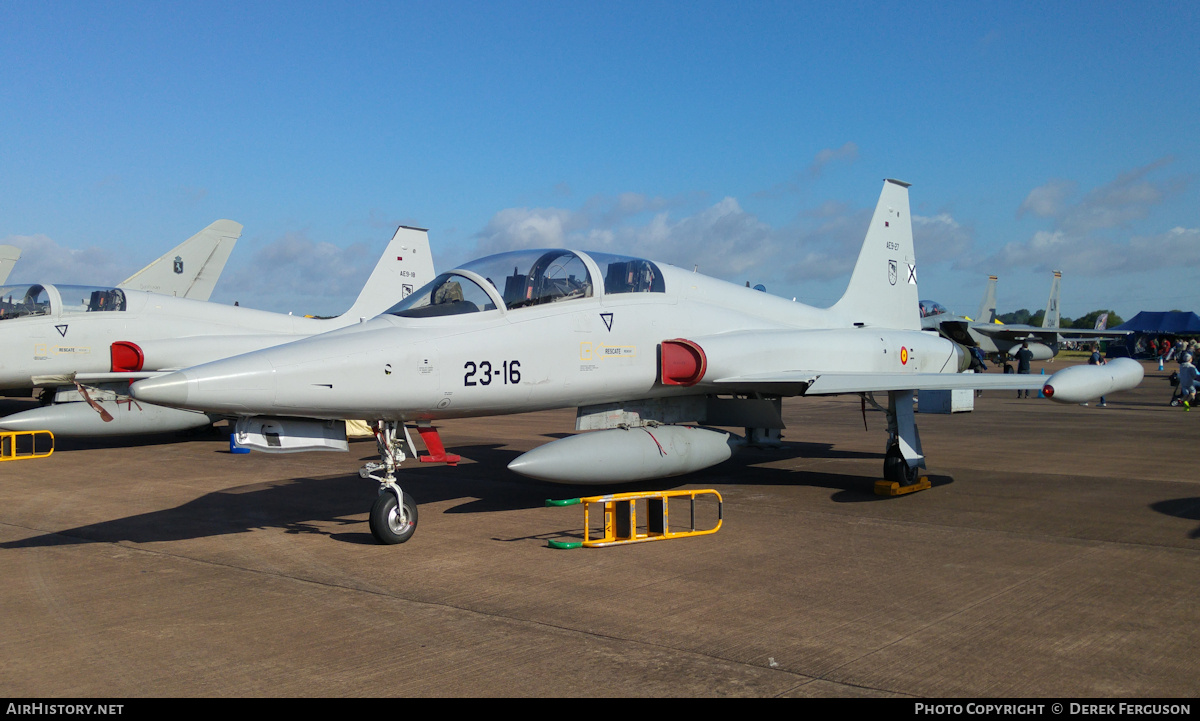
(623, 455)
(81, 420)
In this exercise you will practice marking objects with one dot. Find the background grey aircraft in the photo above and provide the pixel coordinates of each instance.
(644, 351)
(189, 270)
(84, 345)
(9, 255)
(999, 341)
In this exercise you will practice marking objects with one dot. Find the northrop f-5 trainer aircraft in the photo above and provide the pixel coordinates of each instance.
(639, 348)
(84, 345)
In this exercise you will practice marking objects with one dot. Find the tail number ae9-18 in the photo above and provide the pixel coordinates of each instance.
(482, 373)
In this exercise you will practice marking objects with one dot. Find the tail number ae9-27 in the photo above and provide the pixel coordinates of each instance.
(483, 373)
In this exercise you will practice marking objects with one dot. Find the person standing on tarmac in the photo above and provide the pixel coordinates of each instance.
(1097, 360)
(1187, 381)
(1023, 357)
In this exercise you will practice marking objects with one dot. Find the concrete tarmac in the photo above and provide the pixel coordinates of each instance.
(1057, 555)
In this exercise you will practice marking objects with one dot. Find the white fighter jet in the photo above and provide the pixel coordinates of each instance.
(647, 352)
(85, 345)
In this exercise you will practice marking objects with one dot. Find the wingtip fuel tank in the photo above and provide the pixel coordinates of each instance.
(1081, 383)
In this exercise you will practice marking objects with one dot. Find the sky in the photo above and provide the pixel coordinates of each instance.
(747, 140)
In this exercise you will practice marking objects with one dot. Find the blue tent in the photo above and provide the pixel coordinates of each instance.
(1172, 322)
(1151, 324)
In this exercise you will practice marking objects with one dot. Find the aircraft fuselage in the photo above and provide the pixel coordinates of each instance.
(64, 342)
(579, 352)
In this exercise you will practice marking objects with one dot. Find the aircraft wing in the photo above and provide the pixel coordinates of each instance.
(1090, 333)
(1012, 332)
(66, 379)
(1020, 332)
(818, 383)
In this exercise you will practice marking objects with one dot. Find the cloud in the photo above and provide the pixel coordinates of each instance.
(1130, 197)
(848, 153)
(721, 239)
(43, 260)
(1047, 201)
(1055, 250)
(720, 236)
(941, 238)
(296, 273)
(1089, 237)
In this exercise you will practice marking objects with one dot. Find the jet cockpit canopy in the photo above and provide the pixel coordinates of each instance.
(19, 301)
(931, 308)
(524, 278)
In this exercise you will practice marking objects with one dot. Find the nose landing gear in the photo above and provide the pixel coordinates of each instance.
(393, 516)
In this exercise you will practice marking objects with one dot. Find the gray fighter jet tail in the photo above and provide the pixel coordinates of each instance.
(192, 268)
(987, 309)
(1051, 319)
(883, 287)
(9, 255)
(406, 264)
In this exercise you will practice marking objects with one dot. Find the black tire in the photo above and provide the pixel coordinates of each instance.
(389, 526)
(897, 470)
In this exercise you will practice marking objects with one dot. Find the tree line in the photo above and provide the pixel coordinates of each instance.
(1024, 317)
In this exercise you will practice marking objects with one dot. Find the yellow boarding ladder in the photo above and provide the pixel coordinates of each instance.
(17, 445)
(620, 517)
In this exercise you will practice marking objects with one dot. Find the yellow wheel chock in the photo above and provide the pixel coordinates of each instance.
(891, 488)
(620, 517)
(18, 445)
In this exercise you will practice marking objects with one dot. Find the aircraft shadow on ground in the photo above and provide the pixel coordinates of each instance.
(311, 504)
(67, 444)
(1187, 508)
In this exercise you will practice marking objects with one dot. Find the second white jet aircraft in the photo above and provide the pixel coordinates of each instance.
(84, 345)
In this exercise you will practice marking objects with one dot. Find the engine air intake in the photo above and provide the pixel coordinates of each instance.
(681, 362)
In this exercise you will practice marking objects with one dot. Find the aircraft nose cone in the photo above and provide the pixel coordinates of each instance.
(168, 390)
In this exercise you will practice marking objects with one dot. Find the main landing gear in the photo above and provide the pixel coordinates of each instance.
(896, 470)
(904, 462)
(394, 514)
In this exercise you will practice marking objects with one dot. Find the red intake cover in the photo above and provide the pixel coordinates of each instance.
(126, 357)
(682, 362)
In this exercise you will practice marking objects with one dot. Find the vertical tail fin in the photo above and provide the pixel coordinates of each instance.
(883, 287)
(1051, 319)
(406, 264)
(9, 255)
(987, 309)
(192, 268)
